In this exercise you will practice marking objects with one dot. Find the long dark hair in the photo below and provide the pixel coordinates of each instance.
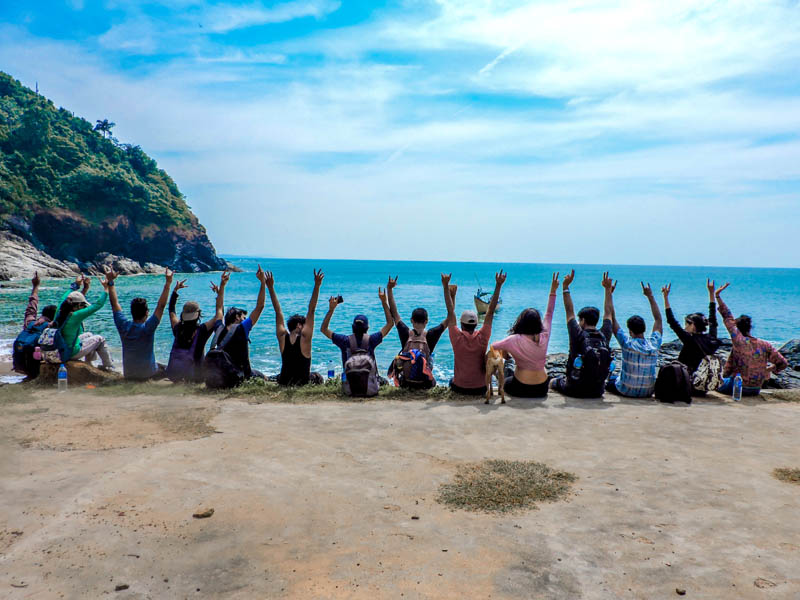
(699, 320)
(184, 332)
(529, 322)
(64, 311)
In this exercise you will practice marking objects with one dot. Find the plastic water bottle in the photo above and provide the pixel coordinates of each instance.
(612, 367)
(37, 353)
(737, 388)
(62, 378)
(576, 368)
(331, 370)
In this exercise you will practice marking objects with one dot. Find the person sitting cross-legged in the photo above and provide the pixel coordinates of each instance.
(754, 359)
(294, 341)
(137, 333)
(23, 353)
(589, 353)
(637, 377)
(191, 335)
(470, 341)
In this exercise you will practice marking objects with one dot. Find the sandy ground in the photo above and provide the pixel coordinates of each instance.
(318, 500)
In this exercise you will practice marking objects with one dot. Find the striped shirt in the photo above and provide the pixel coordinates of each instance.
(637, 377)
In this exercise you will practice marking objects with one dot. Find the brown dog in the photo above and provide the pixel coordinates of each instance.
(495, 366)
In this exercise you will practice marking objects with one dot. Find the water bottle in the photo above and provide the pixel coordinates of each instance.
(576, 368)
(737, 388)
(37, 353)
(62, 378)
(612, 367)
(331, 370)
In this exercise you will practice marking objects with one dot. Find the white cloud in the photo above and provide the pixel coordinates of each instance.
(222, 18)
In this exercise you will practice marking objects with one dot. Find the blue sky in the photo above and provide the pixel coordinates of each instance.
(564, 131)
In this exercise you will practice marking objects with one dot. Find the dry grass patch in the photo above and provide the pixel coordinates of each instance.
(504, 486)
(787, 475)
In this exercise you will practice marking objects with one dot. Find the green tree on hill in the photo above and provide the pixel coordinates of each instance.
(104, 127)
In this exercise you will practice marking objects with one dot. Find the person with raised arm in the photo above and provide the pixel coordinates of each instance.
(527, 344)
(73, 310)
(234, 334)
(637, 377)
(358, 349)
(697, 343)
(33, 324)
(191, 335)
(294, 341)
(589, 352)
(137, 333)
(470, 342)
(754, 359)
(413, 367)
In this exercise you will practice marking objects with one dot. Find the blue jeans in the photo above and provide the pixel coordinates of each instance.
(727, 388)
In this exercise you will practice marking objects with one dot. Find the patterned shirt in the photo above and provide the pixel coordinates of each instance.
(637, 377)
(750, 355)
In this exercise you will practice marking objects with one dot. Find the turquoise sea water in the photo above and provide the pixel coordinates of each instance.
(770, 296)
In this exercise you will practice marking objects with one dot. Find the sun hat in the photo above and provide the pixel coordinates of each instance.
(77, 299)
(191, 311)
(469, 317)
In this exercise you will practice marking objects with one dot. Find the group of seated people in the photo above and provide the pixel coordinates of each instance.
(57, 335)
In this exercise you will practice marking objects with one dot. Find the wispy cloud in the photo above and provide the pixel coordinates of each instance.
(223, 18)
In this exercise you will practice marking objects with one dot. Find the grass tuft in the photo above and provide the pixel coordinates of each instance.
(788, 475)
(504, 486)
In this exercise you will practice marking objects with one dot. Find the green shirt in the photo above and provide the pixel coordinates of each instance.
(73, 327)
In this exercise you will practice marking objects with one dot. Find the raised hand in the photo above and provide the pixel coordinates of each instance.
(168, 275)
(332, 303)
(318, 277)
(445, 278)
(224, 278)
(647, 290)
(452, 288)
(261, 275)
(103, 282)
(665, 290)
(36, 281)
(723, 288)
(269, 279)
(568, 279)
(87, 283)
(214, 288)
(180, 285)
(382, 295)
(609, 283)
(392, 283)
(110, 273)
(554, 283)
(500, 278)
(79, 279)
(710, 286)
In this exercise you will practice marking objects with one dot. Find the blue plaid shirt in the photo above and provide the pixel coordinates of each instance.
(637, 377)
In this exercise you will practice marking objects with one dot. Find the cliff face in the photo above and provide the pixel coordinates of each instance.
(77, 194)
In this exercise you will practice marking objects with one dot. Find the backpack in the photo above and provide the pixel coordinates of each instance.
(181, 365)
(219, 370)
(22, 354)
(674, 384)
(413, 364)
(596, 357)
(360, 369)
(708, 375)
(53, 346)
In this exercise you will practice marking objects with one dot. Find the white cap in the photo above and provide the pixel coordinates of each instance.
(77, 298)
(469, 317)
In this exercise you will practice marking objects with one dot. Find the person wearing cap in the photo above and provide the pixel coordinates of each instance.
(469, 343)
(73, 310)
(235, 331)
(527, 344)
(360, 328)
(420, 336)
(138, 332)
(191, 336)
(294, 341)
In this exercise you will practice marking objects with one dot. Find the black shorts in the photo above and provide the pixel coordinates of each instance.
(467, 391)
(516, 388)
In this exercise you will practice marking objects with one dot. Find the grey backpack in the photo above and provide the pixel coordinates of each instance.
(360, 369)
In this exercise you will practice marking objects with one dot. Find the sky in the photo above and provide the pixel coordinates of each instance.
(556, 131)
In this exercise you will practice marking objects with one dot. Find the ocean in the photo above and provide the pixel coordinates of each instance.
(770, 296)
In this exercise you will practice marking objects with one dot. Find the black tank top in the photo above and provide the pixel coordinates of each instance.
(295, 368)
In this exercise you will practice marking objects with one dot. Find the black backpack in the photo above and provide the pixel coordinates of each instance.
(674, 384)
(24, 346)
(219, 370)
(596, 357)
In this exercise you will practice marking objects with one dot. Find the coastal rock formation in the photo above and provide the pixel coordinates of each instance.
(78, 373)
(20, 258)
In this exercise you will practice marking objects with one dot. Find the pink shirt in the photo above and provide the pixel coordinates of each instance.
(528, 354)
(469, 355)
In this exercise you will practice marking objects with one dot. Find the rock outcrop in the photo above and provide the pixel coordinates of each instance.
(78, 373)
(20, 258)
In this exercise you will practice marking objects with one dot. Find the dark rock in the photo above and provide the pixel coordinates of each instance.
(203, 514)
(791, 352)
